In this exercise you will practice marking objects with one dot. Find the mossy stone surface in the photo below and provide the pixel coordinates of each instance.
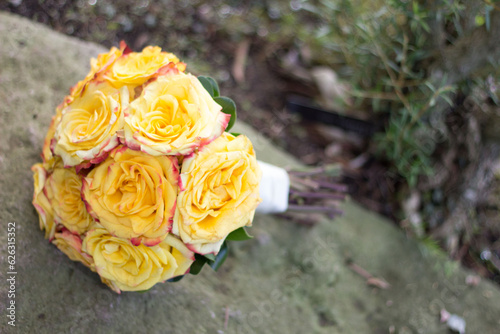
(288, 279)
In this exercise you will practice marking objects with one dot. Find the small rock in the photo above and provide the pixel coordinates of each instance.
(456, 323)
(453, 321)
(472, 280)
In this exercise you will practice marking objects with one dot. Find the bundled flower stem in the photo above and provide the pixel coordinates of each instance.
(315, 190)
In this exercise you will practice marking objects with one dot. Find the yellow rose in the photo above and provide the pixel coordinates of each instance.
(88, 126)
(63, 188)
(133, 195)
(174, 115)
(219, 193)
(97, 68)
(42, 203)
(47, 156)
(71, 245)
(135, 68)
(58, 197)
(136, 268)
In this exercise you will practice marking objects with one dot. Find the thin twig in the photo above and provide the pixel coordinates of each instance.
(226, 318)
(370, 279)
(294, 181)
(360, 271)
(306, 194)
(240, 60)
(309, 172)
(391, 74)
(333, 186)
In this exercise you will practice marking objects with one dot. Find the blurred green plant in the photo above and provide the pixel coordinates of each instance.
(384, 49)
(384, 45)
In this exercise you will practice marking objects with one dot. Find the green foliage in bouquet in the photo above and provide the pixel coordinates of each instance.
(227, 104)
(215, 261)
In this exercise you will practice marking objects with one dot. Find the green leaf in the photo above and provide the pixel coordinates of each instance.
(220, 258)
(215, 86)
(210, 257)
(415, 7)
(210, 85)
(214, 261)
(425, 26)
(206, 84)
(430, 85)
(198, 264)
(479, 19)
(228, 107)
(447, 99)
(240, 234)
(175, 279)
(236, 134)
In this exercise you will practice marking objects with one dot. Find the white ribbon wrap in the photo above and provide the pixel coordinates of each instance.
(274, 188)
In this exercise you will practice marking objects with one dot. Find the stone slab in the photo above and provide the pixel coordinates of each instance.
(288, 279)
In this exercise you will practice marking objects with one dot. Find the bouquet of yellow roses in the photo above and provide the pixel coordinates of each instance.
(140, 181)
